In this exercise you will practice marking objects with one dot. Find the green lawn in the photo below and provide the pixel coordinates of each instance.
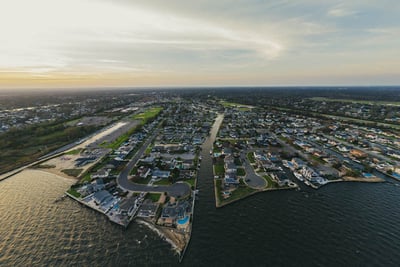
(317, 159)
(241, 172)
(217, 150)
(191, 182)
(153, 196)
(219, 169)
(121, 139)
(85, 178)
(163, 182)
(72, 172)
(142, 180)
(251, 158)
(73, 192)
(74, 152)
(270, 182)
(133, 171)
(218, 184)
(148, 150)
(241, 192)
(45, 166)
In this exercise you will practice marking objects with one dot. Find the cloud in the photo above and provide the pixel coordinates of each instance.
(341, 11)
(242, 38)
(57, 31)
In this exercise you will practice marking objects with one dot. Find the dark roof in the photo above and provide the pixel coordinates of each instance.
(101, 196)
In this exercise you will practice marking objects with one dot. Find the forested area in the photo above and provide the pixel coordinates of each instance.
(21, 146)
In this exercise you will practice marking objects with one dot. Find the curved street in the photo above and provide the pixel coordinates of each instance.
(252, 179)
(175, 190)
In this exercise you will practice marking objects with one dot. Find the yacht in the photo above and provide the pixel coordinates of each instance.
(298, 176)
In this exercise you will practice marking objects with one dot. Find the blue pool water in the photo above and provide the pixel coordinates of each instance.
(184, 220)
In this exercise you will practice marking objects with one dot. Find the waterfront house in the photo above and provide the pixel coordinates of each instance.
(161, 174)
(230, 181)
(102, 197)
(102, 173)
(298, 163)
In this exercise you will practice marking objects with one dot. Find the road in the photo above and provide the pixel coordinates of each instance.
(176, 190)
(252, 179)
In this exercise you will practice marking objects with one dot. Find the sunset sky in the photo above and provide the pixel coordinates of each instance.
(122, 43)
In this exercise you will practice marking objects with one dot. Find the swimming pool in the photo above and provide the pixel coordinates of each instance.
(184, 220)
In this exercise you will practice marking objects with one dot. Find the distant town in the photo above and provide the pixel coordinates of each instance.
(138, 155)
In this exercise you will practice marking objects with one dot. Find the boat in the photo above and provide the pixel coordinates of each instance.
(298, 176)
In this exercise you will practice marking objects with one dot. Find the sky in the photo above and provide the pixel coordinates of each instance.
(135, 43)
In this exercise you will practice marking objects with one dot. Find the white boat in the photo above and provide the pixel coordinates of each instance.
(298, 176)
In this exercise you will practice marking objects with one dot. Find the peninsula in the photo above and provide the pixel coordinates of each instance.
(143, 168)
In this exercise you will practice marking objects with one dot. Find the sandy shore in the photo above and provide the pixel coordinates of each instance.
(67, 161)
(177, 240)
(61, 163)
(57, 172)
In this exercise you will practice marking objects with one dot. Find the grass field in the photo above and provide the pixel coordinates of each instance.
(74, 152)
(233, 105)
(22, 146)
(148, 114)
(144, 117)
(240, 192)
(219, 169)
(325, 99)
(121, 139)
